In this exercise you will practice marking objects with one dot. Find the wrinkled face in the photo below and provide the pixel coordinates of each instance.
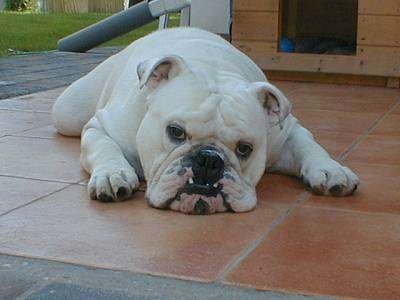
(202, 150)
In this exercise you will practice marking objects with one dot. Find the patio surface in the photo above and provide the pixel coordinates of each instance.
(293, 244)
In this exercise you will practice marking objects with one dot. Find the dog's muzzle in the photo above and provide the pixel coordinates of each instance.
(208, 168)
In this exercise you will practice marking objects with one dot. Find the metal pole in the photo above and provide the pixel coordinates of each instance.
(112, 27)
(119, 24)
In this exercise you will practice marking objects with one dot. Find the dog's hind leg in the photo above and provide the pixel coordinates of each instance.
(78, 103)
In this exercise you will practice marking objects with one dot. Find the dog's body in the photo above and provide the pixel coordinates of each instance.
(197, 119)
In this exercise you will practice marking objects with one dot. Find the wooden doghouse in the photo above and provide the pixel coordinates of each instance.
(308, 39)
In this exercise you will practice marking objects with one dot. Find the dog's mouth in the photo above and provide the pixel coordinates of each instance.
(200, 199)
(208, 190)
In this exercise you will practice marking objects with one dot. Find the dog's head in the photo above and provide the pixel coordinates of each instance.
(203, 142)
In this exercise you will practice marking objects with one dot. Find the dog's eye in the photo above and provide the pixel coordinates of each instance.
(176, 133)
(243, 149)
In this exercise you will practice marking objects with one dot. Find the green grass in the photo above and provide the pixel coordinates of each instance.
(39, 32)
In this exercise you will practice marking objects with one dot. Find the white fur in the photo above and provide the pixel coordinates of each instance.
(218, 94)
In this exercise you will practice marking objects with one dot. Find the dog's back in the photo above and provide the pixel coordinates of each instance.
(204, 50)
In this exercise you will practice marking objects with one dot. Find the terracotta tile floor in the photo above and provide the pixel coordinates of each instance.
(293, 242)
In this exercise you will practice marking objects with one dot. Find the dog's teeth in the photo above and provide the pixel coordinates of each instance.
(215, 185)
(190, 180)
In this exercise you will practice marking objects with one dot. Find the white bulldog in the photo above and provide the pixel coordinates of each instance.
(195, 117)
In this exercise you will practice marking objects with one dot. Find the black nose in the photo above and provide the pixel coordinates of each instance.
(208, 166)
(201, 207)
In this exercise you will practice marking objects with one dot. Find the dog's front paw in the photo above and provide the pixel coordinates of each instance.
(112, 185)
(331, 178)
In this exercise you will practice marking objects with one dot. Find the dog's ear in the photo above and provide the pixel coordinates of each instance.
(154, 71)
(276, 105)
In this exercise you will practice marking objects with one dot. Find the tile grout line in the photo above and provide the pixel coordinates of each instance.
(71, 73)
(15, 134)
(25, 110)
(19, 135)
(43, 180)
(54, 67)
(21, 97)
(235, 262)
(35, 200)
(349, 210)
(34, 128)
(59, 55)
(364, 135)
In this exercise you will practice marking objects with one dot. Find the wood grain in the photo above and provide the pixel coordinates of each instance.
(260, 26)
(379, 7)
(328, 64)
(378, 30)
(256, 5)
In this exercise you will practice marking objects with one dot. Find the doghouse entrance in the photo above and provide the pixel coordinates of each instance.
(319, 26)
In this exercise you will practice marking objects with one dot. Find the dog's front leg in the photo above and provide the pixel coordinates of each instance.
(304, 157)
(112, 177)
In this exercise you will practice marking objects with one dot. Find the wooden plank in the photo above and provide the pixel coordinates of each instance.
(256, 49)
(393, 82)
(378, 30)
(327, 78)
(259, 26)
(295, 62)
(382, 60)
(379, 7)
(373, 61)
(256, 5)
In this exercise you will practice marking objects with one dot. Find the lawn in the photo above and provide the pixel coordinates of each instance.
(41, 31)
